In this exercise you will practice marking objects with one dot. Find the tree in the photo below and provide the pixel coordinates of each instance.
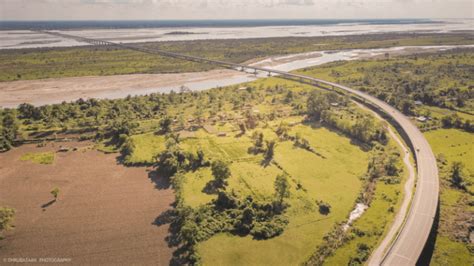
(55, 193)
(407, 107)
(316, 104)
(282, 130)
(221, 172)
(165, 125)
(171, 160)
(127, 148)
(270, 151)
(6, 219)
(26, 110)
(282, 189)
(457, 178)
(245, 221)
(257, 142)
(242, 128)
(9, 131)
(362, 129)
(250, 120)
(324, 207)
(200, 158)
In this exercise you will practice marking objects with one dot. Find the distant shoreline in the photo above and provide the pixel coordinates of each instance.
(136, 24)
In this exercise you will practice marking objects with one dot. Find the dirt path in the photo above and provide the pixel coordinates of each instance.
(378, 254)
(105, 213)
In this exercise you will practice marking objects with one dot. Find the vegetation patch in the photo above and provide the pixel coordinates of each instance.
(418, 85)
(27, 64)
(39, 157)
(455, 155)
(7, 216)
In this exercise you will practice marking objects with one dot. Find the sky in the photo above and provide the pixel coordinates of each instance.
(232, 9)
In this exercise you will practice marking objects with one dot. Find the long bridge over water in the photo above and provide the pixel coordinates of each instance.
(408, 245)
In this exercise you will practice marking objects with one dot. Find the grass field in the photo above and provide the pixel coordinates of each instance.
(38, 157)
(372, 226)
(27, 64)
(454, 145)
(146, 146)
(321, 178)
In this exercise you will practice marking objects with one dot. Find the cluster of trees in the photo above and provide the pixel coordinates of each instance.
(104, 119)
(266, 147)
(454, 121)
(174, 158)
(401, 82)
(364, 129)
(229, 212)
(302, 143)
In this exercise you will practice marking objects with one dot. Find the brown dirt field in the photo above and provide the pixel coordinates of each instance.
(105, 213)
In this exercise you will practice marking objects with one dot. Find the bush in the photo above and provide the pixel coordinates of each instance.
(6, 219)
(324, 207)
(363, 252)
(269, 229)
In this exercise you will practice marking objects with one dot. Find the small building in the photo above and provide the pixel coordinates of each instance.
(418, 103)
(221, 134)
(422, 119)
(335, 104)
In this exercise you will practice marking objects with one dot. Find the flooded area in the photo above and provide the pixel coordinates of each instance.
(49, 91)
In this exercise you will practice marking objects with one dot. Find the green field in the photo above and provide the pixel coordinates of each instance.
(451, 247)
(27, 64)
(321, 178)
(371, 227)
(39, 157)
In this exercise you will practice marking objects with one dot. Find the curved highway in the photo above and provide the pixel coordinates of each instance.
(409, 243)
(413, 234)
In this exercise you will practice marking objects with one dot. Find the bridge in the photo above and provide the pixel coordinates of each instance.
(408, 245)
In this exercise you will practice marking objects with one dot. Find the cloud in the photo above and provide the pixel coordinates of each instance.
(232, 9)
(297, 2)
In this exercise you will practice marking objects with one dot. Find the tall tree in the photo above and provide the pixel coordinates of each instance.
(270, 151)
(282, 189)
(221, 172)
(317, 103)
(9, 131)
(457, 178)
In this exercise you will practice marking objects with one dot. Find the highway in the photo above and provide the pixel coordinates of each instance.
(413, 234)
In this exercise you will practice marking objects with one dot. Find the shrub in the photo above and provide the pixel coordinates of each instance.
(6, 219)
(55, 193)
(324, 207)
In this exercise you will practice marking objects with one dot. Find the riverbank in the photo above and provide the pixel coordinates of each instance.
(57, 90)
